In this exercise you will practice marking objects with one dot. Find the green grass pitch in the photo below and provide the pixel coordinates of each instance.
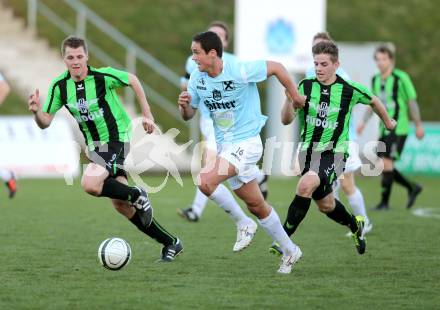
(50, 234)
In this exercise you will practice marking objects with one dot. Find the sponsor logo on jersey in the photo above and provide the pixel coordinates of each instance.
(228, 85)
(323, 109)
(90, 116)
(80, 87)
(82, 105)
(314, 121)
(216, 95)
(212, 106)
(201, 84)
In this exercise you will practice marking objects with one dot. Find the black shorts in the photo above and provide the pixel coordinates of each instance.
(393, 146)
(111, 156)
(328, 165)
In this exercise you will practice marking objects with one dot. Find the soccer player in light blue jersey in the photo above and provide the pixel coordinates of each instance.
(229, 91)
(193, 213)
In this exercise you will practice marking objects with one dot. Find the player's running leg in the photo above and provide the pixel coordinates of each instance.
(145, 222)
(9, 178)
(211, 177)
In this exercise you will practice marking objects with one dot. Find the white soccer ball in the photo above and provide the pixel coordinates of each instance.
(114, 253)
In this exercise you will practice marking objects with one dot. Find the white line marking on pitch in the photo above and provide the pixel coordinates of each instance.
(427, 212)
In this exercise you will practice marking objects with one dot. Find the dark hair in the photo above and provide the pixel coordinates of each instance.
(385, 50)
(73, 42)
(209, 41)
(323, 35)
(223, 25)
(326, 47)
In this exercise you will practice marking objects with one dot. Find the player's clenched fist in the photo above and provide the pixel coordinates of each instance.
(34, 101)
(184, 99)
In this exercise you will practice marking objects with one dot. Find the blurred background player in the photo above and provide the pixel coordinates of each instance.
(397, 92)
(229, 91)
(89, 94)
(347, 181)
(7, 176)
(324, 141)
(194, 212)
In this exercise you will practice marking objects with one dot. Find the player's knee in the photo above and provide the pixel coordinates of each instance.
(326, 206)
(305, 188)
(91, 187)
(206, 186)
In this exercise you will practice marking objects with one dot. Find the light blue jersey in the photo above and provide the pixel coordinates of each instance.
(231, 98)
(341, 72)
(191, 65)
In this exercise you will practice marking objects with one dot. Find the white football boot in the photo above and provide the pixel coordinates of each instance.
(245, 234)
(287, 261)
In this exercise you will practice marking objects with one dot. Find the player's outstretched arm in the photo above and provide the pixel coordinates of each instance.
(185, 108)
(414, 113)
(4, 90)
(42, 119)
(147, 116)
(379, 108)
(288, 112)
(277, 69)
(364, 120)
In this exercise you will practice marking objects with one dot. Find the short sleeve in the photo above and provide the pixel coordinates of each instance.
(408, 87)
(253, 71)
(195, 98)
(363, 94)
(117, 78)
(53, 100)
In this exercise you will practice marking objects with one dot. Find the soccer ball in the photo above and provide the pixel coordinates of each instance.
(114, 253)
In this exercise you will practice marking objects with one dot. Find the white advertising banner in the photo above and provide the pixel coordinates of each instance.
(31, 152)
(280, 30)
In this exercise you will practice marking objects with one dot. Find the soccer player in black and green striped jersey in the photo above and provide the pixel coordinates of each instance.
(397, 92)
(89, 94)
(324, 123)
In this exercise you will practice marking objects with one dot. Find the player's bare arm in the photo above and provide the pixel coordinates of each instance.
(414, 113)
(365, 118)
(186, 110)
(4, 91)
(277, 69)
(147, 117)
(288, 112)
(379, 108)
(42, 119)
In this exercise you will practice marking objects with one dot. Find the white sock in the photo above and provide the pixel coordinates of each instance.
(273, 227)
(5, 175)
(199, 203)
(357, 203)
(223, 197)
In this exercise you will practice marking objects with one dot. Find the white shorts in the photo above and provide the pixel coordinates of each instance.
(244, 155)
(207, 130)
(353, 161)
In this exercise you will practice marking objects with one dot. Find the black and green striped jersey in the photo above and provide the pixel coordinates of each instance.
(395, 92)
(94, 103)
(325, 118)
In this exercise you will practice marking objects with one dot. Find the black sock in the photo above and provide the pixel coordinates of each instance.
(387, 182)
(155, 231)
(114, 189)
(342, 216)
(399, 178)
(296, 213)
